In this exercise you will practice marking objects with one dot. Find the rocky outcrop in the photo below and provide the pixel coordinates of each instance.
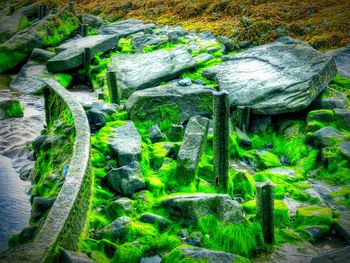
(125, 144)
(124, 28)
(284, 76)
(72, 52)
(342, 60)
(140, 71)
(184, 100)
(191, 207)
(191, 149)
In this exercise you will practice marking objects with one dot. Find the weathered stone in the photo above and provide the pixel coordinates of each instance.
(140, 71)
(330, 99)
(243, 139)
(97, 118)
(342, 60)
(41, 54)
(140, 42)
(67, 256)
(10, 108)
(155, 219)
(327, 136)
(72, 52)
(119, 207)
(202, 58)
(333, 256)
(127, 179)
(191, 149)
(344, 148)
(125, 144)
(196, 254)
(117, 230)
(40, 206)
(342, 117)
(30, 78)
(320, 116)
(183, 101)
(124, 28)
(192, 207)
(155, 135)
(283, 76)
(10, 25)
(267, 159)
(92, 20)
(228, 43)
(246, 21)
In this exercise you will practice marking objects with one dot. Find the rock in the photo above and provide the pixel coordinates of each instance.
(150, 218)
(196, 254)
(182, 102)
(330, 99)
(344, 148)
(315, 232)
(10, 25)
(92, 20)
(228, 43)
(155, 135)
(176, 133)
(195, 239)
(40, 206)
(267, 159)
(151, 259)
(117, 230)
(246, 21)
(191, 207)
(127, 179)
(243, 139)
(67, 256)
(141, 71)
(333, 256)
(38, 35)
(124, 28)
(342, 117)
(26, 235)
(43, 55)
(10, 108)
(97, 119)
(327, 136)
(30, 78)
(342, 60)
(280, 77)
(119, 207)
(125, 144)
(288, 172)
(184, 82)
(191, 149)
(320, 116)
(140, 42)
(72, 52)
(202, 58)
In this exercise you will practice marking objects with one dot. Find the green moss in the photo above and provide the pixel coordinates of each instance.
(314, 215)
(155, 185)
(337, 172)
(344, 193)
(11, 109)
(340, 81)
(98, 159)
(243, 185)
(64, 79)
(303, 231)
(268, 159)
(10, 59)
(165, 46)
(310, 162)
(287, 235)
(23, 23)
(127, 253)
(125, 45)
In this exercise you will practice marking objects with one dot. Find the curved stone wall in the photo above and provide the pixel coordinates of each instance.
(67, 216)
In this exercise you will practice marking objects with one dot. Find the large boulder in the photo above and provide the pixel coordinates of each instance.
(127, 179)
(10, 25)
(283, 76)
(330, 99)
(140, 71)
(327, 136)
(197, 254)
(191, 207)
(342, 60)
(72, 52)
(124, 28)
(191, 149)
(48, 31)
(185, 101)
(125, 144)
(30, 78)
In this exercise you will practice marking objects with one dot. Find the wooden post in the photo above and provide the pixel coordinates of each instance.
(112, 87)
(265, 209)
(84, 30)
(86, 62)
(12, 8)
(72, 7)
(41, 11)
(221, 117)
(242, 117)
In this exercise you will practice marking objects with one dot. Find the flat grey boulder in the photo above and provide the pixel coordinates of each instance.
(124, 28)
(30, 78)
(191, 207)
(72, 52)
(186, 101)
(125, 144)
(327, 136)
(127, 179)
(333, 256)
(39, 54)
(342, 60)
(191, 149)
(140, 42)
(141, 71)
(117, 230)
(283, 76)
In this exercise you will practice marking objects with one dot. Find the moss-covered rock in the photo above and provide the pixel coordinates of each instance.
(314, 215)
(10, 108)
(268, 159)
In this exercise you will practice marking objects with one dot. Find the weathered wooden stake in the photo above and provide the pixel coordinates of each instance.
(221, 117)
(86, 61)
(242, 117)
(12, 8)
(72, 7)
(265, 209)
(84, 30)
(41, 11)
(112, 87)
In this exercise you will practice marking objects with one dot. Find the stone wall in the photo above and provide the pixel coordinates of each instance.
(67, 216)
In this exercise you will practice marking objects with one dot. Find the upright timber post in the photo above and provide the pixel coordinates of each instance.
(40, 11)
(87, 59)
(242, 117)
(265, 209)
(12, 8)
(112, 87)
(72, 7)
(84, 30)
(221, 117)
